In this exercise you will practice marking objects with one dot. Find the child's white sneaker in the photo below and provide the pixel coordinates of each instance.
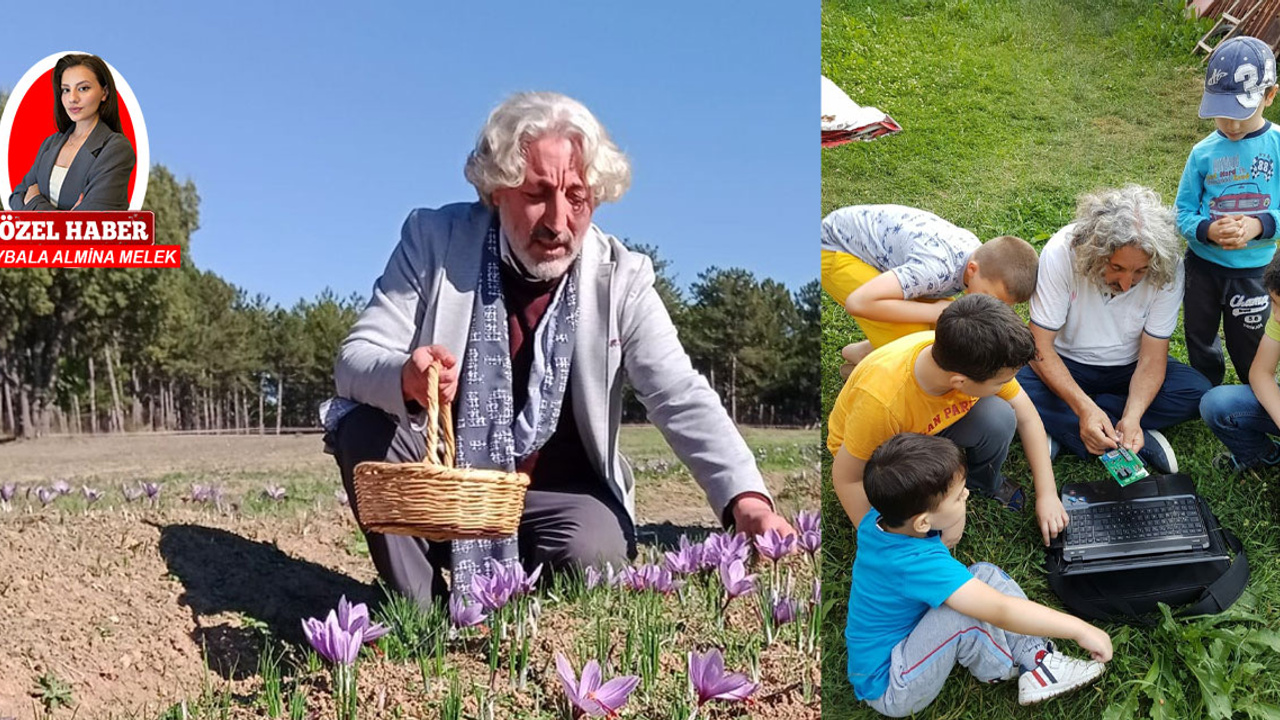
(1055, 674)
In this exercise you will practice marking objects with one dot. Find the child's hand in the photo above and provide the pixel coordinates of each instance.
(1096, 642)
(1052, 516)
(1250, 228)
(1229, 231)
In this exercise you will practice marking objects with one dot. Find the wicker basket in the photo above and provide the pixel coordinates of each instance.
(433, 499)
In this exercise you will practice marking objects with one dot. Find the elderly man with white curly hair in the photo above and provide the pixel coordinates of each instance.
(536, 315)
(1106, 303)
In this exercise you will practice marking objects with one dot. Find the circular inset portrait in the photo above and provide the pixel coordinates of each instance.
(72, 138)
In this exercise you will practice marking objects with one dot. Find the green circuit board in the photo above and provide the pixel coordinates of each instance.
(1124, 466)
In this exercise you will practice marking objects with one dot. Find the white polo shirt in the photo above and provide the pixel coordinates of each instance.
(1094, 326)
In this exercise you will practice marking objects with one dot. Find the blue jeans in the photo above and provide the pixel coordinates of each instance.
(1177, 400)
(1234, 414)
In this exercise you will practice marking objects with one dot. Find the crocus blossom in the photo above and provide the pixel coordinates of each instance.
(130, 493)
(494, 589)
(463, 614)
(650, 577)
(7, 491)
(736, 580)
(46, 495)
(355, 618)
(774, 545)
(784, 610)
(90, 494)
(274, 492)
(151, 490)
(62, 487)
(721, 548)
(331, 641)
(809, 531)
(685, 561)
(589, 695)
(711, 682)
(341, 497)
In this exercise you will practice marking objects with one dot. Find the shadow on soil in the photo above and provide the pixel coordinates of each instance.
(666, 536)
(223, 572)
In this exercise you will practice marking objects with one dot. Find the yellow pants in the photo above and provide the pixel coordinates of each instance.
(843, 273)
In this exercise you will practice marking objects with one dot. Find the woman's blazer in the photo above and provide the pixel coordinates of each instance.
(100, 170)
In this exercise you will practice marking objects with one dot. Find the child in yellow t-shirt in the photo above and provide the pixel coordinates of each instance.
(943, 383)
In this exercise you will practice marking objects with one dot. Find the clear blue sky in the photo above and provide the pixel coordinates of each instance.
(311, 129)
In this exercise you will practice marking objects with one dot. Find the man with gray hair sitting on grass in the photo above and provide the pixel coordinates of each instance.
(536, 316)
(1105, 305)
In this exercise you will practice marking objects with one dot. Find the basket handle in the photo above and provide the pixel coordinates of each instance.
(439, 417)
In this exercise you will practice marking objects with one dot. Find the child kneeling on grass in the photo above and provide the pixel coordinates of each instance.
(915, 611)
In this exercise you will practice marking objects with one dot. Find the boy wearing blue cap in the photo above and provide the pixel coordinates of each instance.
(1228, 202)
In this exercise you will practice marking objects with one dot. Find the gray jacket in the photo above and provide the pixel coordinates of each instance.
(424, 297)
(100, 171)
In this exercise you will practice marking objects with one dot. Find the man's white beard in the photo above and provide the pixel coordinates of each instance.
(547, 269)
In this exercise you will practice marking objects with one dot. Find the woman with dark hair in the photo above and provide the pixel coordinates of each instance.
(86, 164)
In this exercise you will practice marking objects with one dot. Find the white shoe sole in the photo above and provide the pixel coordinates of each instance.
(1048, 694)
(1166, 448)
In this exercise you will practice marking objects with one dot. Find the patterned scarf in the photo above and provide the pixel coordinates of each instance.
(489, 433)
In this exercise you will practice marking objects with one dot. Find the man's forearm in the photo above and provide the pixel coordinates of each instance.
(1145, 384)
(1054, 373)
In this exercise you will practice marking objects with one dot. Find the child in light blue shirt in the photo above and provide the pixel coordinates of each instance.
(1228, 208)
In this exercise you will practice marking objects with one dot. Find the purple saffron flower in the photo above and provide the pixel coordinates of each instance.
(130, 493)
(809, 531)
(721, 548)
(589, 696)
(592, 576)
(687, 560)
(465, 615)
(353, 618)
(784, 610)
(274, 492)
(341, 497)
(151, 490)
(495, 589)
(528, 582)
(774, 545)
(711, 682)
(7, 491)
(736, 580)
(46, 495)
(61, 487)
(90, 494)
(332, 642)
(651, 577)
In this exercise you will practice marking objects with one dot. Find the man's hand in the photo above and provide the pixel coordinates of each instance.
(413, 376)
(1130, 432)
(951, 535)
(754, 516)
(1095, 641)
(32, 191)
(1097, 432)
(1051, 515)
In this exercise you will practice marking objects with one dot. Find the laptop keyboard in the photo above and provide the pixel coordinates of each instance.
(1127, 522)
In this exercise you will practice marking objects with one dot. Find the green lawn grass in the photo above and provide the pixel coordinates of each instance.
(1010, 111)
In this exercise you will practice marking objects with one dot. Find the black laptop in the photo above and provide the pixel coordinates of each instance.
(1156, 520)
